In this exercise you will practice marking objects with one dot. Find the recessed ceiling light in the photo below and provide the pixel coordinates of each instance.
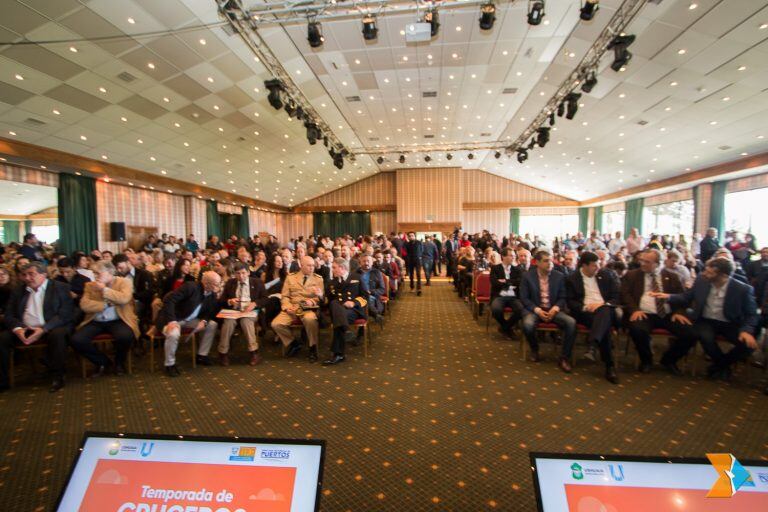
(692, 6)
(742, 68)
(726, 98)
(761, 136)
(73, 49)
(713, 123)
(667, 109)
(166, 99)
(744, 154)
(19, 77)
(215, 107)
(407, 79)
(153, 159)
(202, 42)
(681, 51)
(473, 75)
(140, 141)
(210, 79)
(519, 73)
(56, 112)
(344, 83)
(429, 56)
(102, 90)
(163, 171)
(104, 157)
(131, 21)
(177, 125)
(83, 137)
(150, 65)
(672, 84)
(763, 26)
(458, 28)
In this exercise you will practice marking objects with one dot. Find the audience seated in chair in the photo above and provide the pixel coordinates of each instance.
(505, 289)
(246, 294)
(346, 297)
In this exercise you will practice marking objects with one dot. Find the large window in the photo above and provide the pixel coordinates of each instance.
(548, 227)
(669, 219)
(613, 222)
(46, 234)
(745, 213)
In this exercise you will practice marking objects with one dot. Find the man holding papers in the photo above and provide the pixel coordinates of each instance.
(241, 298)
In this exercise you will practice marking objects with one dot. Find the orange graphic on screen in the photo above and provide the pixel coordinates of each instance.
(598, 498)
(126, 485)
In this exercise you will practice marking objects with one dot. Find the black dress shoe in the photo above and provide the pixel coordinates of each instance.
(172, 371)
(765, 391)
(101, 371)
(645, 367)
(57, 384)
(534, 357)
(671, 368)
(336, 359)
(611, 376)
(293, 349)
(203, 360)
(312, 354)
(120, 370)
(418, 293)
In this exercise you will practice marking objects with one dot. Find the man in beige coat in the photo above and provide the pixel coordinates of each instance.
(108, 306)
(300, 298)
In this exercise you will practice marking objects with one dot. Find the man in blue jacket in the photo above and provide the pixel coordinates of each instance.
(542, 292)
(722, 306)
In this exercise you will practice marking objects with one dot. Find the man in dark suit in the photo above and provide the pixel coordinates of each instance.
(428, 256)
(242, 293)
(709, 244)
(593, 295)
(39, 311)
(721, 306)
(194, 305)
(505, 287)
(347, 302)
(143, 287)
(568, 265)
(373, 281)
(324, 266)
(451, 250)
(438, 269)
(645, 312)
(758, 269)
(542, 292)
(414, 250)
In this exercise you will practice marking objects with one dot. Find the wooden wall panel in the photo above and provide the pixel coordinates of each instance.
(433, 194)
(483, 187)
(379, 189)
(28, 175)
(383, 222)
(670, 197)
(748, 183)
(495, 221)
(292, 225)
(196, 220)
(137, 207)
(262, 222)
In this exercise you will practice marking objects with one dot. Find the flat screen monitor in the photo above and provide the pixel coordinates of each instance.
(597, 483)
(141, 473)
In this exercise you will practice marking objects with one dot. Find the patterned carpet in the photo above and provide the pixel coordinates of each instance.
(441, 416)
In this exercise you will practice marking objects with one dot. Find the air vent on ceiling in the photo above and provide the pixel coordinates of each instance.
(642, 122)
(126, 77)
(352, 99)
(485, 134)
(429, 136)
(178, 166)
(241, 139)
(725, 148)
(373, 139)
(509, 90)
(34, 122)
(429, 94)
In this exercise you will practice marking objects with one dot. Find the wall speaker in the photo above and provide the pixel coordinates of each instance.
(117, 231)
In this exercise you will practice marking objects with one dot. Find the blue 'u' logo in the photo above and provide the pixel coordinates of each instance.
(618, 477)
(146, 449)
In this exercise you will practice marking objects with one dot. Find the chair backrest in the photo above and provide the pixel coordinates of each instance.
(386, 282)
(483, 286)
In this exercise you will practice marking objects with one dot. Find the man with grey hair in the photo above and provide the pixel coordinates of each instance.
(193, 306)
(108, 306)
(347, 301)
(41, 311)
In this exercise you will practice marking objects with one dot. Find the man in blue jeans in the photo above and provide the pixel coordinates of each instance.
(428, 257)
(542, 292)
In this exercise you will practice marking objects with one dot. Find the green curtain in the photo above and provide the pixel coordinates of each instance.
(230, 225)
(77, 214)
(598, 219)
(634, 215)
(584, 220)
(344, 223)
(243, 229)
(11, 231)
(514, 220)
(717, 208)
(212, 219)
(27, 226)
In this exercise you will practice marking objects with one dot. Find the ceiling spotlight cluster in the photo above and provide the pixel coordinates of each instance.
(535, 11)
(279, 98)
(621, 55)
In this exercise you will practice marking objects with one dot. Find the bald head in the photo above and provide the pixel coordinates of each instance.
(211, 281)
(307, 265)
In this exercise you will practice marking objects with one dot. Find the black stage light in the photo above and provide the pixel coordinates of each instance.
(299, 113)
(589, 83)
(312, 133)
(532, 144)
(470, 156)
(552, 118)
(535, 12)
(401, 159)
(522, 155)
(449, 156)
(370, 31)
(560, 110)
(427, 158)
(487, 16)
(497, 155)
(434, 21)
(338, 160)
(380, 160)
(274, 87)
(315, 34)
(621, 56)
(543, 136)
(572, 104)
(589, 9)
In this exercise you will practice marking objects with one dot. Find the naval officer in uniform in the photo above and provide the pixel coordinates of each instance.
(346, 295)
(301, 297)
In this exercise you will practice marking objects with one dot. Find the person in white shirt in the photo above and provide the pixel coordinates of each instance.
(616, 244)
(593, 243)
(593, 295)
(634, 242)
